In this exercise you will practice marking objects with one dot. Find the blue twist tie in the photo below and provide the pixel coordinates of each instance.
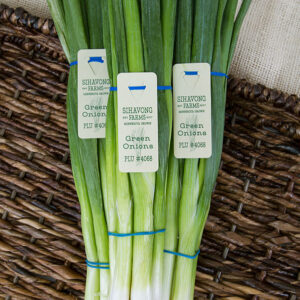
(212, 73)
(190, 72)
(73, 63)
(92, 59)
(136, 233)
(138, 87)
(183, 255)
(96, 59)
(96, 265)
(159, 87)
(164, 87)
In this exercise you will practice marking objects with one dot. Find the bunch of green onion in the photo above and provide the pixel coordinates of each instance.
(140, 36)
(207, 32)
(136, 199)
(77, 29)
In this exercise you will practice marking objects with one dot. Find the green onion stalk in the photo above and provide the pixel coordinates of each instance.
(106, 150)
(143, 184)
(153, 53)
(207, 32)
(162, 36)
(76, 30)
(119, 195)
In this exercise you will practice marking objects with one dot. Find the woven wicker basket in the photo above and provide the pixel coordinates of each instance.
(251, 246)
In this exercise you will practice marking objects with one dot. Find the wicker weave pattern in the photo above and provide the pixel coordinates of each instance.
(251, 247)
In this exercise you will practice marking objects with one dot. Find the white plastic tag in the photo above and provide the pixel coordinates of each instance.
(93, 91)
(137, 122)
(192, 110)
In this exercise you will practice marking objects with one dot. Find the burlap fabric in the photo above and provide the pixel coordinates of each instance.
(37, 8)
(269, 45)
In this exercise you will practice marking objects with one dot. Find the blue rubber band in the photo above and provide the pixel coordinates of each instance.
(73, 63)
(212, 73)
(96, 265)
(164, 87)
(219, 74)
(136, 88)
(96, 59)
(183, 255)
(113, 89)
(136, 233)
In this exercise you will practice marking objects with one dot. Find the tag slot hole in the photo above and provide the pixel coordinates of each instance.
(191, 78)
(137, 90)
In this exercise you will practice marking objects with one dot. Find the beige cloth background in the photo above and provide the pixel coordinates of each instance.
(268, 50)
